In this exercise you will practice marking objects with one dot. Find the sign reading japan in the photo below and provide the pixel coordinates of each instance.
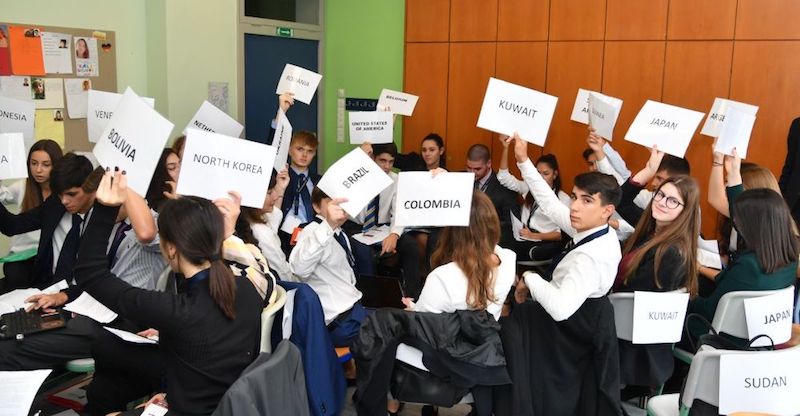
(424, 200)
(210, 118)
(356, 177)
(101, 106)
(13, 156)
(509, 108)
(770, 315)
(669, 127)
(16, 116)
(133, 140)
(214, 164)
(300, 82)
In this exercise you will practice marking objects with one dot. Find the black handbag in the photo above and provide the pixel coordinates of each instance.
(413, 385)
(723, 341)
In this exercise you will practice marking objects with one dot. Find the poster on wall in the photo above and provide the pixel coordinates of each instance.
(86, 64)
(5, 55)
(57, 51)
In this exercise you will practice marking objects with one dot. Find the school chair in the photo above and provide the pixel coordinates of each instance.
(702, 383)
(268, 317)
(730, 317)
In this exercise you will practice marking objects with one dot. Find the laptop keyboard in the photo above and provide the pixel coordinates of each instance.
(19, 322)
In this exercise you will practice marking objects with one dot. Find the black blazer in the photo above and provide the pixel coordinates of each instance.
(629, 211)
(291, 191)
(504, 200)
(45, 217)
(790, 175)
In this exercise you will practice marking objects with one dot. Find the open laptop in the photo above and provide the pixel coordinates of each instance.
(18, 324)
(380, 292)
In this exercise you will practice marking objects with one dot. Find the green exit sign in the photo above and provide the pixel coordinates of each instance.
(285, 32)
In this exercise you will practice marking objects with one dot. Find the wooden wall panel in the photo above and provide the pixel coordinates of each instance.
(695, 86)
(701, 19)
(767, 74)
(577, 19)
(429, 82)
(636, 20)
(632, 71)
(768, 19)
(471, 65)
(570, 65)
(522, 20)
(427, 20)
(473, 20)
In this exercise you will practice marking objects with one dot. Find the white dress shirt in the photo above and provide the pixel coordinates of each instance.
(446, 287)
(270, 244)
(386, 207)
(321, 262)
(61, 231)
(539, 221)
(588, 271)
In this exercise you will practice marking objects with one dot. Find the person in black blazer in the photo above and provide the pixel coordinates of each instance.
(790, 175)
(479, 162)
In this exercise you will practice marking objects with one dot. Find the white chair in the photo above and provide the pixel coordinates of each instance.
(702, 382)
(729, 317)
(268, 317)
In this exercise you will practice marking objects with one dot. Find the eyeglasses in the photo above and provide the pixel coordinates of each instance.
(671, 202)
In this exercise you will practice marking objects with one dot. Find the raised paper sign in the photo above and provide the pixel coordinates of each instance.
(100, 108)
(602, 115)
(718, 114)
(299, 81)
(16, 116)
(211, 118)
(13, 156)
(669, 127)
(658, 317)
(214, 164)
(509, 108)
(424, 200)
(281, 140)
(764, 382)
(580, 111)
(356, 177)
(735, 132)
(770, 315)
(397, 102)
(371, 126)
(133, 140)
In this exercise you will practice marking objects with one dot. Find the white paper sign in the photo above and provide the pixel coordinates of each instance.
(214, 164)
(509, 108)
(211, 118)
(300, 81)
(603, 115)
(424, 200)
(90, 307)
(15, 87)
(580, 111)
(18, 389)
(770, 315)
(397, 102)
(133, 140)
(669, 127)
(718, 114)
(764, 382)
(101, 106)
(356, 177)
(13, 156)
(658, 317)
(375, 127)
(281, 140)
(735, 132)
(16, 116)
(77, 92)
(57, 52)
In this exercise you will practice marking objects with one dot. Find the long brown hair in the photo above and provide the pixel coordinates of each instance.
(680, 234)
(33, 191)
(472, 250)
(195, 226)
(764, 222)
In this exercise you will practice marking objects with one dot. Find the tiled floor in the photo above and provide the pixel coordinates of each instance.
(410, 409)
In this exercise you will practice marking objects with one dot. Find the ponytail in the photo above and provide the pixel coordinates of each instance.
(222, 286)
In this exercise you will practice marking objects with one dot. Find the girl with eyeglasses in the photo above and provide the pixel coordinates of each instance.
(660, 256)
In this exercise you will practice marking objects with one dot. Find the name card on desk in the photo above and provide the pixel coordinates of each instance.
(426, 201)
(716, 117)
(299, 81)
(13, 156)
(356, 177)
(100, 109)
(376, 127)
(509, 108)
(133, 140)
(669, 127)
(658, 317)
(214, 164)
(210, 118)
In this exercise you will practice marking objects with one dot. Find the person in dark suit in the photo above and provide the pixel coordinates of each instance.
(790, 175)
(479, 162)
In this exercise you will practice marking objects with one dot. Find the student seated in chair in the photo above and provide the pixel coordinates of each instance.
(324, 260)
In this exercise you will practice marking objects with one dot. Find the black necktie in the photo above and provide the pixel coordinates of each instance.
(69, 250)
(342, 240)
(302, 192)
(116, 242)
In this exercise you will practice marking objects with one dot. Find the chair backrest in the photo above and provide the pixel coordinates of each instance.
(623, 312)
(268, 317)
(730, 315)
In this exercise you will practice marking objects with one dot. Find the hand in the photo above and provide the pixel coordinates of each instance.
(282, 181)
(717, 157)
(160, 399)
(171, 194)
(655, 159)
(285, 101)
(733, 163)
(367, 148)
(335, 215)
(409, 302)
(113, 188)
(520, 149)
(230, 208)
(526, 233)
(437, 171)
(148, 333)
(614, 224)
(504, 140)
(46, 302)
(595, 142)
(521, 291)
(389, 244)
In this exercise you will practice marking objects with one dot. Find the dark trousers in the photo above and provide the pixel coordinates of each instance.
(51, 348)
(407, 255)
(345, 327)
(18, 275)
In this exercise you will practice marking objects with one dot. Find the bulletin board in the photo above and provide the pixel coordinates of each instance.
(75, 134)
